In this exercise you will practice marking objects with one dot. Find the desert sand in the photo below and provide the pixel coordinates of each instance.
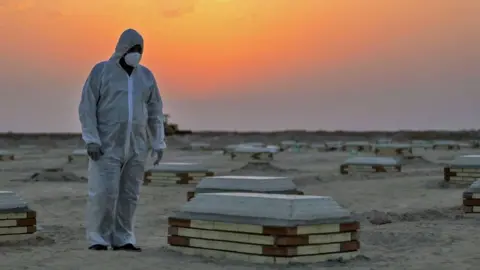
(426, 229)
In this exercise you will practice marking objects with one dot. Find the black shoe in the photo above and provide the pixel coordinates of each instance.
(98, 247)
(127, 247)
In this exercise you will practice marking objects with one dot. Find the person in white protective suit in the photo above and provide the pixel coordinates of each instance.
(120, 101)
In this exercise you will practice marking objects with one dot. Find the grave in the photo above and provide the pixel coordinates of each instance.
(175, 173)
(253, 154)
(371, 165)
(6, 155)
(264, 228)
(200, 146)
(464, 145)
(254, 144)
(421, 144)
(463, 170)
(275, 148)
(383, 141)
(320, 147)
(17, 221)
(78, 155)
(471, 198)
(474, 144)
(299, 146)
(360, 146)
(333, 145)
(227, 150)
(394, 150)
(284, 145)
(240, 183)
(445, 145)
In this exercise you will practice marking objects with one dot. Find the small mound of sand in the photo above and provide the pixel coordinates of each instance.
(392, 241)
(262, 168)
(379, 217)
(55, 176)
(419, 161)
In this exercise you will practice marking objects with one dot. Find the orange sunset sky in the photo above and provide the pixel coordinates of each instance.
(252, 64)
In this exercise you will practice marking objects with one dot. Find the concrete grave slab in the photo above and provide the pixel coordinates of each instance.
(17, 221)
(264, 209)
(264, 228)
(334, 145)
(192, 230)
(463, 170)
(394, 150)
(274, 148)
(255, 184)
(471, 198)
(360, 146)
(393, 145)
(371, 164)
(464, 161)
(299, 146)
(253, 154)
(176, 173)
(229, 148)
(253, 144)
(386, 161)
(319, 146)
(465, 145)
(200, 146)
(217, 254)
(6, 155)
(383, 141)
(261, 250)
(10, 202)
(445, 145)
(420, 146)
(78, 155)
(79, 152)
(288, 143)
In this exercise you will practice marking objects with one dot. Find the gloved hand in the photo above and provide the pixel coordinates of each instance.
(159, 155)
(94, 151)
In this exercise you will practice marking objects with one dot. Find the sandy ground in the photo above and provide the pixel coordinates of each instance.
(428, 229)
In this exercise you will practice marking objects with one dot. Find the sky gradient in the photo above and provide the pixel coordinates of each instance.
(250, 64)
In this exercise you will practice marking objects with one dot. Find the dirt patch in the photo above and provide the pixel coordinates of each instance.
(262, 168)
(54, 175)
(380, 217)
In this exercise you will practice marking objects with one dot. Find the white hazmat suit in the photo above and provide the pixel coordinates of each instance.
(115, 111)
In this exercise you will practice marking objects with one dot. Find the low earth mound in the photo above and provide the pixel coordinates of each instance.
(54, 175)
(262, 168)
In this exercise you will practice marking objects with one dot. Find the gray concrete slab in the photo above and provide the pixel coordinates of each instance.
(288, 143)
(466, 161)
(5, 153)
(253, 149)
(237, 183)
(264, 209)
(384, 161)
(474, 187)
(10, 202)
(357, 143)
(79, 152)
(254, 144)
(200, 146)
(445, 142)
(178, 167)
(393, 145)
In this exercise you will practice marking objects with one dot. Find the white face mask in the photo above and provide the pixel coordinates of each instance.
(132, 59)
